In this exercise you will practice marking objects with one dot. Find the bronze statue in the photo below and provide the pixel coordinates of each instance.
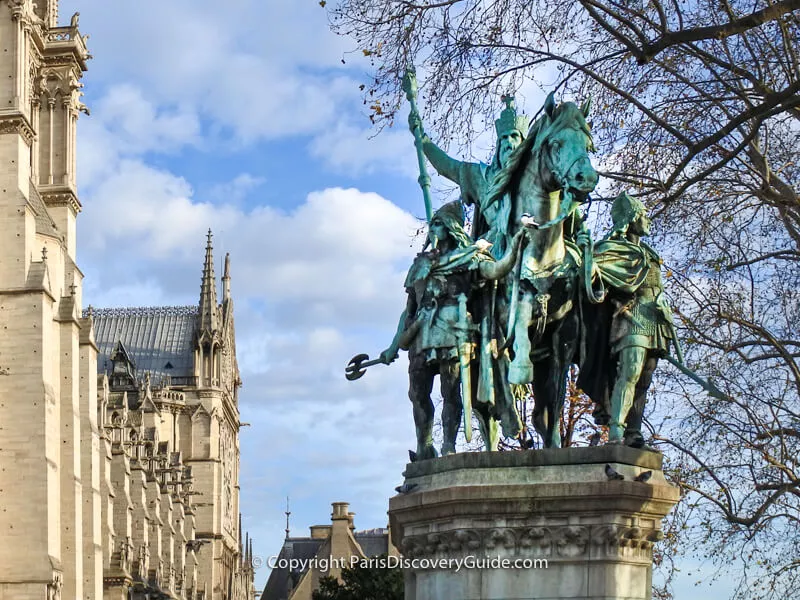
(635, 321)
(440, 330)
(485, 329)
(491, 220)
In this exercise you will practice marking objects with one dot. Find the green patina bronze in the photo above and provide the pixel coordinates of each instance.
(633, 327)
(491, 219)
(530, 293)
(442, 327)
(546, 178)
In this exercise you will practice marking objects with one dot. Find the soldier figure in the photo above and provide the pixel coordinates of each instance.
(640, 322)
(439, 331)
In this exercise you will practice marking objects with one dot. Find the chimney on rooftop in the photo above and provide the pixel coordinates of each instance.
(320, 532)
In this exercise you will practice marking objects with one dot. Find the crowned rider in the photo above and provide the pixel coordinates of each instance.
(490, 222)
(635, 320)
(440, 332)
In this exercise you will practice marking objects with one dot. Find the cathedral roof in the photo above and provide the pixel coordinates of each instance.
(158, 339)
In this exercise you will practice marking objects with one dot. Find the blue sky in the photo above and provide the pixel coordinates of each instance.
(241, 117)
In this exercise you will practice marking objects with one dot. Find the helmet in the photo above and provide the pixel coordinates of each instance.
(625, 210)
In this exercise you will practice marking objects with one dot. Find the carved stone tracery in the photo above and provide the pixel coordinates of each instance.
(19, 125)
(551, 541)
(54, 587)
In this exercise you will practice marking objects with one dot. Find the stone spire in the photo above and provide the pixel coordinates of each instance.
(208, 292)
(226, 279)
(241, 550)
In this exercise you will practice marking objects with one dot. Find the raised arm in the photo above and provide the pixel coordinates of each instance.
(444, 164)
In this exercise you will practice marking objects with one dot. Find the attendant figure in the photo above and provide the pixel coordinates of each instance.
(632, 329)
(440, 329)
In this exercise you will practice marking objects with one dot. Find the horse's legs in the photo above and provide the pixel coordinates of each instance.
(487, 425)
(549, 390)
(450, 380)
(629, 370)
(521, 369)
(550, 380)
(505, 405)
(420, 384)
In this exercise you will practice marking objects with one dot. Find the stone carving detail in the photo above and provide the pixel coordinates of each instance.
(571, 541)
(54, 588)
(538, 540)
(61, 81)
(553, 541)
(500, 538)
(62, 199)
(125, 555)
(20, 125)
(463, 539)
(614, 536)
(22, 11)
(228, 458)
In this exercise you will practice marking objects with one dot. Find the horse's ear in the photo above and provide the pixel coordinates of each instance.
(585, 107)
(550, 104)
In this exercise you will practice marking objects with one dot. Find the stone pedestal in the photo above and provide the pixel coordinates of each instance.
(592, 537)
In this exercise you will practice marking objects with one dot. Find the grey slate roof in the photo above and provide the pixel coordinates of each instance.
(373, 542)
(280, 579)
(154, 337)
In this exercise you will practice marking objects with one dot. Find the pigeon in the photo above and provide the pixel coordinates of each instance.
(594, 440)
(612, 474)
(643, 477)
(405, 488)
(412, 456)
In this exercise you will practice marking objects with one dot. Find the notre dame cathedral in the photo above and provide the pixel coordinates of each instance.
(119, 428)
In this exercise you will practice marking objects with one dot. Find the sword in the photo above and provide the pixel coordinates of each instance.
(410, 88)
(706, 384)
(528, 221)
(464, 359)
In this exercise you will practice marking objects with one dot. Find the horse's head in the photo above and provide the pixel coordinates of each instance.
(566, 146)
(555, 152)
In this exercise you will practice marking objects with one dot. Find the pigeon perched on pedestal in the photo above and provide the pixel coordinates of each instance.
(405, 488)
(612, 474)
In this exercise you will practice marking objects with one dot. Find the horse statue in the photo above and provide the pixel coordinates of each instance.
(547, 177)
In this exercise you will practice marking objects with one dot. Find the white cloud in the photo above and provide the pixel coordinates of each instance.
(235, 190)
(139, 126)
(347, 148)
(257, 70)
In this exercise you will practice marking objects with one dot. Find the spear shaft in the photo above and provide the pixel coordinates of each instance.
(410, 88)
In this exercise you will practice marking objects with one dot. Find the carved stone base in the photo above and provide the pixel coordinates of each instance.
(593, 537)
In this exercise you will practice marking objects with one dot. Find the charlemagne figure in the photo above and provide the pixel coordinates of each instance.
(490, 221)
(637, 321)
(440, 329)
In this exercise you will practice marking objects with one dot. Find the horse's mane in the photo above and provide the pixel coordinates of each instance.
(541, 128)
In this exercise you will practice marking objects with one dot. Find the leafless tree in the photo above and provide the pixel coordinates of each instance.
(696, 110)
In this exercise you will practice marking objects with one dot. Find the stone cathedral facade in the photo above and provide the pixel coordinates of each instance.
(119, 428)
